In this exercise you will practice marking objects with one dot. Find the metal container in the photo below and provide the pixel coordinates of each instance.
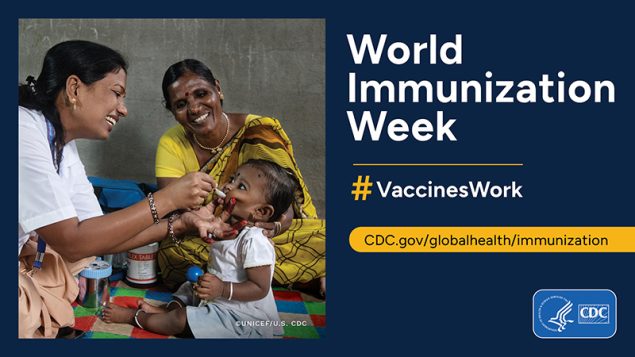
(142, 265)
(93, 284)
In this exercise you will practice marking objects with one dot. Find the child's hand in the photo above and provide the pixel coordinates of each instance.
(209, 287)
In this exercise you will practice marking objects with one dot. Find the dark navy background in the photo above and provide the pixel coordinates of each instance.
(577, 172)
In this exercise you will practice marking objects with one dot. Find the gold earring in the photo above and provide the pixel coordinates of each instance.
(73, 101)
(222, 96)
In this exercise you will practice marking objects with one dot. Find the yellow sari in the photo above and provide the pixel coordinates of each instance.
(300, 251)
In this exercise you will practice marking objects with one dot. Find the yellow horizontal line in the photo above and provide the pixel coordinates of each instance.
(438, 164)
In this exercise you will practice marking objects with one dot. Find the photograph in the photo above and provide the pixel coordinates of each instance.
(171, 178)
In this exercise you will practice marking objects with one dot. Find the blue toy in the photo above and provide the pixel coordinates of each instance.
(193, 273)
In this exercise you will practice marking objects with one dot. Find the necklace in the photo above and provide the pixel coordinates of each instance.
(218, 147)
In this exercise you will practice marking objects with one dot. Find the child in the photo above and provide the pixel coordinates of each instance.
(240, 301)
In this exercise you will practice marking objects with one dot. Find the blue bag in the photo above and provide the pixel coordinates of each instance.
(115, 194)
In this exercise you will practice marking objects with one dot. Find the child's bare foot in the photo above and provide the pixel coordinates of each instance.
(116, 313)
(151, 309)
(323, 286)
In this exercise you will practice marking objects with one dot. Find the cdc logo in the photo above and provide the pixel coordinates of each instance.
(593, 313)
(574, 313)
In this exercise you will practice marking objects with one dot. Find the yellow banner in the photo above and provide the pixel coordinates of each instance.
(493, 239)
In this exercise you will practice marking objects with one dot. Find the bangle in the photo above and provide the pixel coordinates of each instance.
(136, 319)
(277, 227)
(231, 290)
(173, 302)
(153, 208)
(171, 235)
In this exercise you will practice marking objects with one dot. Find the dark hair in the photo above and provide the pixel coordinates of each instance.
(176, 70)
(281, 186)
(89, 61)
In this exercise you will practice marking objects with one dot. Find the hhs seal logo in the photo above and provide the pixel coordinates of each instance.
(559, 321)
(574, 313)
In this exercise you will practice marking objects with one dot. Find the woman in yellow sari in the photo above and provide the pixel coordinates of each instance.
(215, 142)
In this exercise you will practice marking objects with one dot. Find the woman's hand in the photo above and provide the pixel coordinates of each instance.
(209, 287)
(189, 191)
(209, 227)
(203, 223)
(272, 229)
